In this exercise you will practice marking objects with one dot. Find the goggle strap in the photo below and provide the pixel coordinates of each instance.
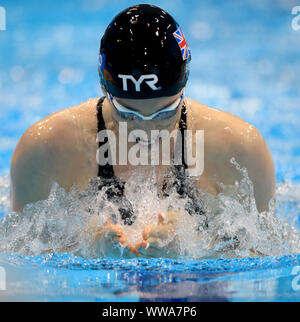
(124, 109)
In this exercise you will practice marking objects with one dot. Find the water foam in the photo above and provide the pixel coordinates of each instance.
(231, 226)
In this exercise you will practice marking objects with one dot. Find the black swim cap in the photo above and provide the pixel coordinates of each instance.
(143, 54)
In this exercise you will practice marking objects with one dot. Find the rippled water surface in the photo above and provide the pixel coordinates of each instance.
(245, 60)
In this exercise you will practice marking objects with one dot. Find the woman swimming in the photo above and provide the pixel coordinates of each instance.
(144, 68)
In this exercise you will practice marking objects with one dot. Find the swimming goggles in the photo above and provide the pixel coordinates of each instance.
(131, 115)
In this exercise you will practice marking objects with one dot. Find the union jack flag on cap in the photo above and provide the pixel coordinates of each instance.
(179, 36)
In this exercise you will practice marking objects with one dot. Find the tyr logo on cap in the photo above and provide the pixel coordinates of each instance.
(152, 80)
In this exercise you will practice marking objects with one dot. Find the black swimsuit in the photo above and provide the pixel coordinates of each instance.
(115, 186)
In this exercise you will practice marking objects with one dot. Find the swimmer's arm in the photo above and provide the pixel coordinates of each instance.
(257, 159)
(251, 152)
(30, 170)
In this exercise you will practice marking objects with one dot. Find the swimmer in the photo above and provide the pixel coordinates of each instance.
(144, 67)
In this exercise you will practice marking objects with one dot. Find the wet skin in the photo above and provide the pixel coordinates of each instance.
(62, 148)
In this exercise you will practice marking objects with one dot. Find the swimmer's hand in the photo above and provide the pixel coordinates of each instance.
(157, 240)
(162, 239)
(109, 234)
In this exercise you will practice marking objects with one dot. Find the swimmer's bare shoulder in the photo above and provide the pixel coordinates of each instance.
(226, 136)
(61, 147)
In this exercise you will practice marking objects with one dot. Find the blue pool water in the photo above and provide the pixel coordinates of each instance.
(245, 60)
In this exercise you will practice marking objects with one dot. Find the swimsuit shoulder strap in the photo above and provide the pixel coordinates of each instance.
(115, 187)
(182, 128)
(104, 171)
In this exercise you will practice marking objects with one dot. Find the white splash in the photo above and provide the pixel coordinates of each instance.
(230, 226)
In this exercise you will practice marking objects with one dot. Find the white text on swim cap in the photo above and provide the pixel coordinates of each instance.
(152, 80)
